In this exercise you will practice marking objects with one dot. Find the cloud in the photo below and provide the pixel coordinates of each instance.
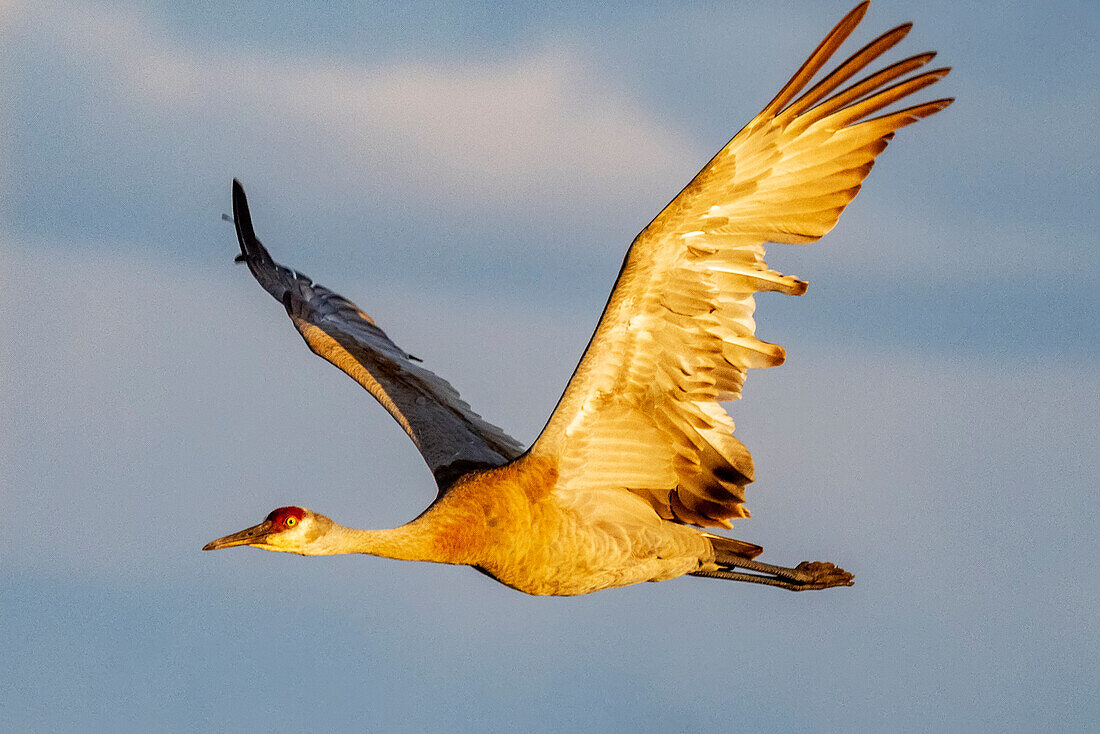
(524, 173)
(146, 408)
(533, 132)
(150, 401)
(142, 382)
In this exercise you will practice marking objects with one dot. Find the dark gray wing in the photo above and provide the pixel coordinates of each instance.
(452, 438)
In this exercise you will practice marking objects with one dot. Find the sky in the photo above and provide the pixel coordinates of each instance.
(471, 175)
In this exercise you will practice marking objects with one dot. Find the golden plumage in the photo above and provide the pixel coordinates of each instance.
(639, 448)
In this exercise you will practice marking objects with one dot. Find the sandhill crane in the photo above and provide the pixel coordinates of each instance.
(638, 450)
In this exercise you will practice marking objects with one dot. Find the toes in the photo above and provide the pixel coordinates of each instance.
(823, 575)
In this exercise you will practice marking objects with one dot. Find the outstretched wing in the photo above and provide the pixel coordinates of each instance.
(677, 335)
(452, 438)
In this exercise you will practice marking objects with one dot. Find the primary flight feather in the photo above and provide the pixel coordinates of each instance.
(639, 449)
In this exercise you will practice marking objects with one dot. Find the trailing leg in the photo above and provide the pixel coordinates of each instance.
(806, 576)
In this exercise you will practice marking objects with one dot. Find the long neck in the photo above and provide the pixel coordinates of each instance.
(407, 542)
(416, 541)
(452, 530)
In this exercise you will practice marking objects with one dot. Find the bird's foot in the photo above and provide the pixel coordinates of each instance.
(806, 576)
(819, 575)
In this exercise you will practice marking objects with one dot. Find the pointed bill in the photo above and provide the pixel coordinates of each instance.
(248, 536)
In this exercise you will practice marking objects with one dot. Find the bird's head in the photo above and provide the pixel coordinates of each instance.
(287, 529)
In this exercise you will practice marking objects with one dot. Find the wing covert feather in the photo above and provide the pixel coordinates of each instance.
(642, 409)
(451, 437)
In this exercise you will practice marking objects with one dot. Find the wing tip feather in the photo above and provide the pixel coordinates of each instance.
(820, 56)
(250, 244)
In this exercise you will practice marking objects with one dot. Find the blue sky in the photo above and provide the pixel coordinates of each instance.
(471, 176)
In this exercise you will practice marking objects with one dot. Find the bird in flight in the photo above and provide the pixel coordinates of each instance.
(638, 456)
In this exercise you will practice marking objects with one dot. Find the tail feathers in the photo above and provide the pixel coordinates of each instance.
(728, 550)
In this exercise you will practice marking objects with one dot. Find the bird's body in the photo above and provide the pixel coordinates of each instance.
(610, 538)
(639, 448)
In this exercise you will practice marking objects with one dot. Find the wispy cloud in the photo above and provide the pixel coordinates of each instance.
(151, 396)
(537, 131)
(127, 126)
(150, 383)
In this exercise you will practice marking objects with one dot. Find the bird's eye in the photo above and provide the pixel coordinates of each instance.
(290, 522)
